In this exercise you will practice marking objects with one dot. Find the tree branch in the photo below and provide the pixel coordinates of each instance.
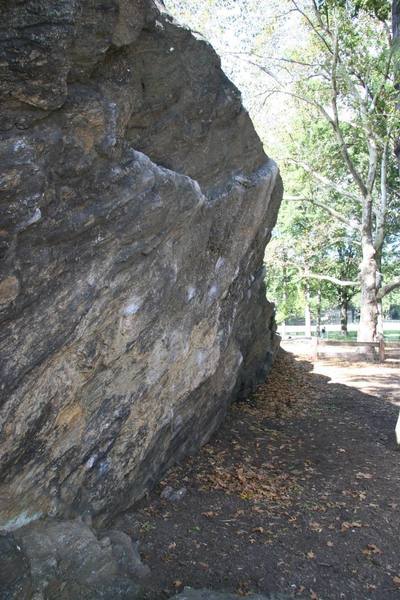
(304, 273)
(381, 211)
(324, 180)
(317, 13)
(313, 27)
(352, 224)
(306, 100)
(335, 121)
(386, 75)
(262, 68)
(335, 280)
(372, 163)
(389, 287)
(291, 61)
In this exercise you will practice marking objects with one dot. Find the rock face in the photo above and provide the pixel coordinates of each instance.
(65, 560)
(136, 202)
(192, 594)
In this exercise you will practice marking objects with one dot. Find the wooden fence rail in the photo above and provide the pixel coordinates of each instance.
(381, 345)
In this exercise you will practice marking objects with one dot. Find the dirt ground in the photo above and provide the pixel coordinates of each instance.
(297, 495)
(381, 380)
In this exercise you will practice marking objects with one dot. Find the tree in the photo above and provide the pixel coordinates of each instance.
(335, 248)
(396, 43)
(347, 82)
(339, 77)
(298, 253)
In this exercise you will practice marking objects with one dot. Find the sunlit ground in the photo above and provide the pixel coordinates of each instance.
(343, 365)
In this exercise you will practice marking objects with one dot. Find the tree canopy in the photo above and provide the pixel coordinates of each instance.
(326, 106)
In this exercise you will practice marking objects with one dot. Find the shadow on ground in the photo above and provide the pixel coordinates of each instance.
(298, 493)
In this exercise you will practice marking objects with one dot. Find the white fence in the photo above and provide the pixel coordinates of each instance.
(298, 329)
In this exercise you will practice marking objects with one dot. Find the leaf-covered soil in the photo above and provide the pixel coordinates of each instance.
(298, 493)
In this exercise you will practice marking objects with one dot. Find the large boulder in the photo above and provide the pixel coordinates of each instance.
(136, 203)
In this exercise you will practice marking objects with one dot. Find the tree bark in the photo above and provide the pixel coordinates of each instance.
(318, 332)
(396, 43)
(369, 304)
(344, 305)
(307, 311)
(379, 324)
(396, 19)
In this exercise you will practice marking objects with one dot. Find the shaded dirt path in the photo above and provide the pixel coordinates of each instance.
(297, 494)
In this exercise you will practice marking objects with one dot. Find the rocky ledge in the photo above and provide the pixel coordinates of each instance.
(136, 203)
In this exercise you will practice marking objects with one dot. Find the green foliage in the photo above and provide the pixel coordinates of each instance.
(265, 60)
(379, 9)
(310, 238)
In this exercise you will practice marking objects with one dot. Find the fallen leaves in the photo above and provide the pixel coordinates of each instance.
(288, 387)
(258, 530)
(357, 494)
(250, 482)
(396, 580)
(371, 550)
(311, 555)
(172, 546)
(346, 525)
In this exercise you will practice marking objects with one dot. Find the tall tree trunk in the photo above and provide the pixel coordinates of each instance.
(396, 42)
(369, 304)
(318, 332)
(396, 19)
(344, 305)
(285, 296)
(307, 311)
(379, 324)
(368, 278)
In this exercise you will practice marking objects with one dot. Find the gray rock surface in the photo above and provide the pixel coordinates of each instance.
(172, 495)
(136, 202)
(64, 560)
(204, 594)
